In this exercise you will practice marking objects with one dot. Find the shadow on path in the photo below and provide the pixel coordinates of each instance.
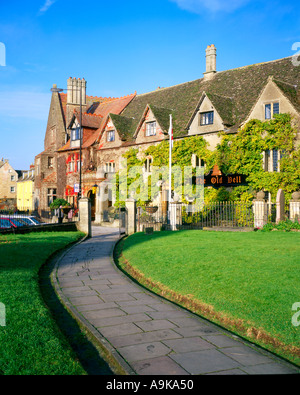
(84, 350)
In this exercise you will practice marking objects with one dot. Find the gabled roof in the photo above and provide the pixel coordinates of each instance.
(290, 92)
(223, 105)
(124, 126)
(93, 123)
(232, 92)
(162, 116)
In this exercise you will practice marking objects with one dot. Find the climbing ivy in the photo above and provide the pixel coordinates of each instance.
(236, 153)
(243, 153)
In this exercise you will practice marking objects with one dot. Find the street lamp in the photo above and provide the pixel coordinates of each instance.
(58, 90)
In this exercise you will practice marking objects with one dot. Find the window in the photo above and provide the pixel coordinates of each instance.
(12, 190)
(197, 162)
(75, 134)
(12, 178)
(268, 113)
(275, 108)
(148, 164)
(275, 160)
(50, 162)
(110, 135)
(268, 109)
(51, 196)
(207, 118)
(151, 128)
(110, 167)
(271, 160)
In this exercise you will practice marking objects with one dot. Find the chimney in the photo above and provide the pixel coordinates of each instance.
(211, 62)
(74, 86)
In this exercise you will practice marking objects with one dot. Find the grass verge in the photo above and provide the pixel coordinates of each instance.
(245, 282)
(31, 341)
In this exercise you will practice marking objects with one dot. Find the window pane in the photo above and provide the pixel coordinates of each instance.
(268, 111)
(276, 108)
(151, 129)
(275, 160)
(207, 118)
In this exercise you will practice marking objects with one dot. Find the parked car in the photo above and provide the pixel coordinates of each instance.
(17, 220)
(29, 220)
(11, 223)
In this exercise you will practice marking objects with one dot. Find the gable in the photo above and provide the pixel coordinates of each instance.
(109, 129)
(150, 117)
(205, 106)
(275, 92)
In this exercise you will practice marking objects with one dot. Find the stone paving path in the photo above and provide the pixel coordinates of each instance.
(146, 334)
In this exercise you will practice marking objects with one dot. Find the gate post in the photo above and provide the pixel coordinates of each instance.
(280, 202)
(131, 216)
(175, 215)
(260, 210)
(85, 218)
(295, 207)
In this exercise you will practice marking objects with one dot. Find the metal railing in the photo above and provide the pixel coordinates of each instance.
(219, 214)
(214, 214)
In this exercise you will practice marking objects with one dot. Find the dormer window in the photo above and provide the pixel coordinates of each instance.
(110, 135)
(151, 128)
(75, 134)
(271, 109)
(206, 118)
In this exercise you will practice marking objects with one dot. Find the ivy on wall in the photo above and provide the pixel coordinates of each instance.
(243, 153)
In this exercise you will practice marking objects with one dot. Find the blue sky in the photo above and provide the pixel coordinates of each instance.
(120, 47)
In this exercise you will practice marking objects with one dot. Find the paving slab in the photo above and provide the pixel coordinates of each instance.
(146, 334)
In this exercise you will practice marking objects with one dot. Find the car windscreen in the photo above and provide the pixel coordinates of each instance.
(17, 222)
(4, 223)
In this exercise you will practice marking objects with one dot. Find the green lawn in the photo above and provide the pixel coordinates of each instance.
(31, 343)
(245, 281)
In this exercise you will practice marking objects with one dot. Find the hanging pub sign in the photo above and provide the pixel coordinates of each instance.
(216, 179)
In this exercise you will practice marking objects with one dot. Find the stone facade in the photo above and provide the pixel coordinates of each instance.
(219, 102)
(8, 181)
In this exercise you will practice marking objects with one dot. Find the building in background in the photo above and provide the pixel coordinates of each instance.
(25, 190)
(217, 102)
(8, 185)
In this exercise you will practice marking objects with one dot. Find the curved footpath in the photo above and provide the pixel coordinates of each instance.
(145, 334)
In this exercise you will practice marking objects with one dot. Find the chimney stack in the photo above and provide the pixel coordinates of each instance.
(211, 62)
(74, 86)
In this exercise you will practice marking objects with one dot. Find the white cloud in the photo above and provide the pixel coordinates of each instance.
(47, 5)
(198, 6)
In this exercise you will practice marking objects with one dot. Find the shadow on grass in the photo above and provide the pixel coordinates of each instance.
(84, 349)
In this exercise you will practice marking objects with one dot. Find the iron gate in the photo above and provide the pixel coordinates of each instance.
(212, 215)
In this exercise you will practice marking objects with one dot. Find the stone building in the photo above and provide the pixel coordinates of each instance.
(220, 101)
(51, 165)
(25, 190)
(8, 184)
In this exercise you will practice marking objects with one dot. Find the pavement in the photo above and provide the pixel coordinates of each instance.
(143, 333)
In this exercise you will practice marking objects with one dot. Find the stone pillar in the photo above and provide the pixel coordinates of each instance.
(280, 202)
(295, 207)
(260, 210)
(102, 200)
(175, 215)
(85, 218)
(131, 216)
